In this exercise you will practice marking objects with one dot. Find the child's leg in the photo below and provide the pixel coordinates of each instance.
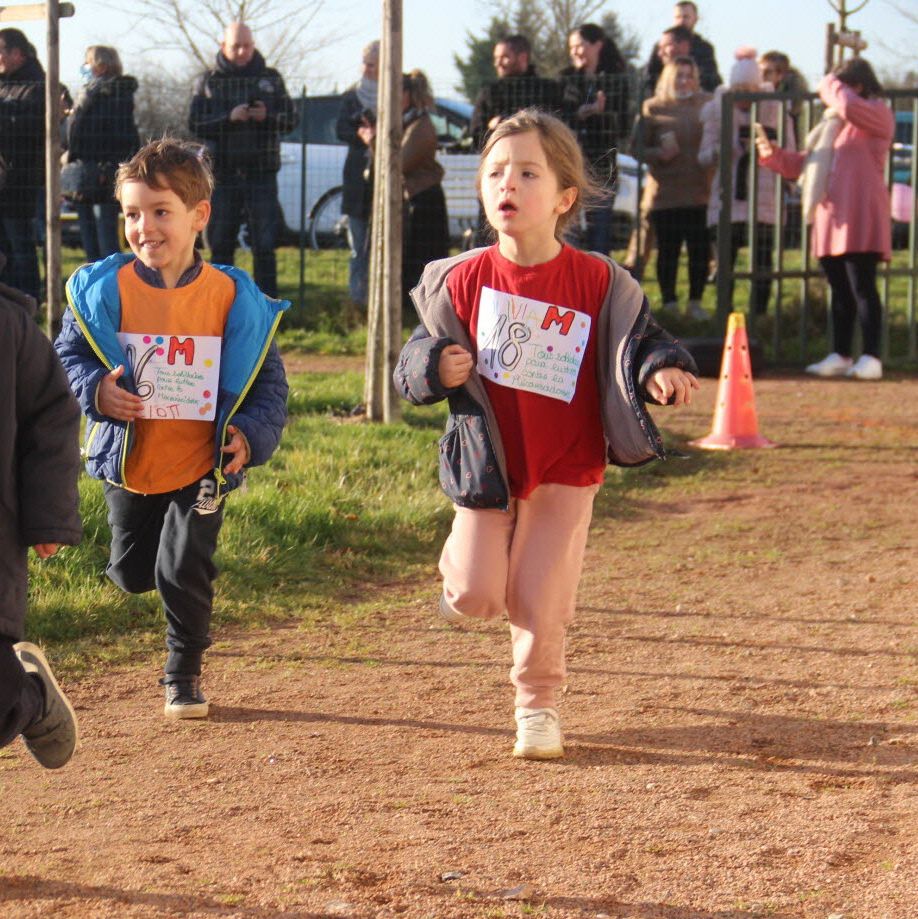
(21, 699)
(474, 561)
(185, 572)
(136, 522)
(546, 559)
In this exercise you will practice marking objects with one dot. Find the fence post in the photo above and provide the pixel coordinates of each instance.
(304, 127)
(53, 170)
(725, 221)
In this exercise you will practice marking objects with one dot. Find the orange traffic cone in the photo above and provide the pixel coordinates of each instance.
(736, 425)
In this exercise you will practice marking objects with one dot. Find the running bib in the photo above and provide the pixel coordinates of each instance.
(177, 376)
(531, 345)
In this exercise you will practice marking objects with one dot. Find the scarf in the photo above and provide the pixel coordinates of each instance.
(814, 178)
(367, 91)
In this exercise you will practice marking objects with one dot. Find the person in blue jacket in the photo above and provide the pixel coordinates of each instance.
(166, 474)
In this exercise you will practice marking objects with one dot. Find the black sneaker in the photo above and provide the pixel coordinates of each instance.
(53, 738)
(184, 698)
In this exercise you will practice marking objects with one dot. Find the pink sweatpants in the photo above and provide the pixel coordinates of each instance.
(526, 561)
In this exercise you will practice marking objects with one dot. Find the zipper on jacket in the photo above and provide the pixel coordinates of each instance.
(218, 471)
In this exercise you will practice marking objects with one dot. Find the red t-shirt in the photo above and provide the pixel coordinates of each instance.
(545, 439)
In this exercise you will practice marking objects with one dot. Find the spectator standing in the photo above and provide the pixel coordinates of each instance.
(517, 86)
(685, 16)
(39, 467)
(426, 230)
(22, 133)
(745, 76)
(669, 138)
(595, 104)
(777, 70)
(356, 126)
(101, 131)
(851, 225)
(241, 109)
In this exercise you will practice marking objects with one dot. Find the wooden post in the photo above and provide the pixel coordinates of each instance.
(53, 170)
(384, 329)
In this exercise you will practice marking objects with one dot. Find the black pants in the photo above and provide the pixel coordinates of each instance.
(426, 238)
(853, 279)
(165, 542)
(763, 260)
(674, 226)
(21, 696)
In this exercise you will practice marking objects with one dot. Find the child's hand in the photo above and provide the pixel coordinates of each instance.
(669, 380)
(116, 402)
(455, 366)
(46, 549)
(239, 447)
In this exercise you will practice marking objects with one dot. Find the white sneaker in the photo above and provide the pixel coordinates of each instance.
(694, 310)
(453, 617)
(834, 365)
(867, 367)
(538, 734)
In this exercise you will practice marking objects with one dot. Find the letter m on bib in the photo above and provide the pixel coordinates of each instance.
(554, 316)
(185, 348)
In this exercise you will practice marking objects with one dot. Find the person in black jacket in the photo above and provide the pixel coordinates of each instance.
(22, 132)
(595, 99)
(241, 109)
(685, 16)
(356, 126)
(39, 466)
(101, 131)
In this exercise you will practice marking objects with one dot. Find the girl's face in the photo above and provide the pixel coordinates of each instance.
(686, 84)
(520, 191)
(584, 54)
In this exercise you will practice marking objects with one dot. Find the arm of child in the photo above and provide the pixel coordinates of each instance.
(46, 549)
(115, 402)
(672, 386)
(239, 448)
(263, 413)
(418, 376)
(455, 366)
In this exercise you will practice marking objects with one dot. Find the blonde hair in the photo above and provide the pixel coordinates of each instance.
(102, 56)
(666, 84)
(418, 88)
(562, 153)
(172, 164)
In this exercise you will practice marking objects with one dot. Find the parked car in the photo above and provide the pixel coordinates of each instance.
(311, 200)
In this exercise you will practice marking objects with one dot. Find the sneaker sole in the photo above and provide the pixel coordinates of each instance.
(538, 753)
(36, 652)
(176, 712)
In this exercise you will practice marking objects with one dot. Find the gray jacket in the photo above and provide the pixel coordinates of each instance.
(630, 347)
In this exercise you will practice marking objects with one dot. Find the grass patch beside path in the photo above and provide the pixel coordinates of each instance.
(343, 506)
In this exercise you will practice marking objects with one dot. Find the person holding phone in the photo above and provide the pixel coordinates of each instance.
(240, 109)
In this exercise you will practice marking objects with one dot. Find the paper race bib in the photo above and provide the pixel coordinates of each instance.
(176, 375)
(531, 345)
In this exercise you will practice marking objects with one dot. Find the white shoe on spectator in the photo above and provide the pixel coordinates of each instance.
(538, 734)
(867, 367)
(694, 310)
(834, 365)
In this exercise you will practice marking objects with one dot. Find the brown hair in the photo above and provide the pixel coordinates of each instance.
(417, 86)
(105, 57)
(856, 71)
(169, 163)
(562, 152)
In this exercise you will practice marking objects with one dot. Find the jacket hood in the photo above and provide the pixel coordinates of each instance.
(254, 67)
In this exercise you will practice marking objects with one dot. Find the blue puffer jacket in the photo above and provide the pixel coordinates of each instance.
(253, 385)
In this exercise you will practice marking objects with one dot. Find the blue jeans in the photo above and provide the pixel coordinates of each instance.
(358, 267)
(255, 201)
(99, 228)
(17, 242)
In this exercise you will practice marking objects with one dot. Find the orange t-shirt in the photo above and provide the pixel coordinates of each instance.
(167, 454)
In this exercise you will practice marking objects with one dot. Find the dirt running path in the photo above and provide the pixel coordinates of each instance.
(741, 724)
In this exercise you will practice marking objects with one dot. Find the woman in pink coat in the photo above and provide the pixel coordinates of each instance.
(852, 224)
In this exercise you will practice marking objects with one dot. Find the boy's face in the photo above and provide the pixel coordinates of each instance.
(160, 229)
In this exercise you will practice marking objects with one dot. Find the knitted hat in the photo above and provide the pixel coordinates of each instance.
(745, 71)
